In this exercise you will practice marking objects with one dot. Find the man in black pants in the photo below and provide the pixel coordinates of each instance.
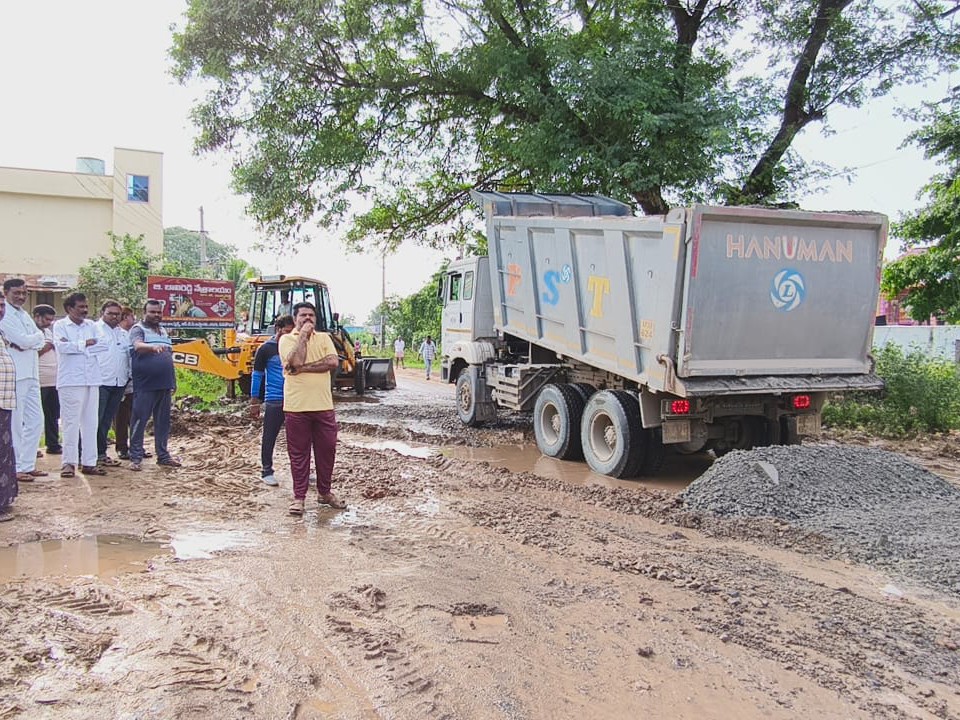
(43, 316)
(266, 389)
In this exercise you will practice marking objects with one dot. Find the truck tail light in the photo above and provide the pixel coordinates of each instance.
(801, 402)
(680, 407)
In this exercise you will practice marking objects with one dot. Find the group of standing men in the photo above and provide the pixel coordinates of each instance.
(77, 377)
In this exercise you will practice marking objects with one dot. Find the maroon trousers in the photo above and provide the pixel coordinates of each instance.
(311, 431)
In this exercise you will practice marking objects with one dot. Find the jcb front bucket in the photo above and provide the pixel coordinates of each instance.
(380, 373)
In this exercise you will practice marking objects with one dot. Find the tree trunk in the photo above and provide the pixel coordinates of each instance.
(651, 201)
(760, 186)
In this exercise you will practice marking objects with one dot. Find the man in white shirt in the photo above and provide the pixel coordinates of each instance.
(398, 347)
(25, 341)
(78, 342)
(115, 373)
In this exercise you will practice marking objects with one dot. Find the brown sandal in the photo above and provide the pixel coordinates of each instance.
(92, 470)
(331, 500)
(68, 471)
(296, 507)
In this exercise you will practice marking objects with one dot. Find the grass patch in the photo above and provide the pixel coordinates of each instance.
(205, 391)
(922, 396)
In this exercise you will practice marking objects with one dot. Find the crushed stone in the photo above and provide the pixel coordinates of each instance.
(877, 506)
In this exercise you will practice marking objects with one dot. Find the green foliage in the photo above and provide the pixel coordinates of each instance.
(182, 251)
(208, 390)
(121, 275)
(929, 277)
(413, 318)
(922, 395)
(410, 105)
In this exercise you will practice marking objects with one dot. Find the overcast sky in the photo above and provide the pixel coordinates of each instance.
(80, 78)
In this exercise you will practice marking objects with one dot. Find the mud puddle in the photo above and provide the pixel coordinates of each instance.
(398, 446)
(202, 545)
(678, 470)
(103, 556)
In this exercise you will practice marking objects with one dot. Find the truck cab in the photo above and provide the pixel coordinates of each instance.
(467, 315)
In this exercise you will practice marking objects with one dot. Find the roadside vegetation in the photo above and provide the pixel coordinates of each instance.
(922, 396)
(199, 390)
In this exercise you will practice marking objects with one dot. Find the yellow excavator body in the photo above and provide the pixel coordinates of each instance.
(272, 297)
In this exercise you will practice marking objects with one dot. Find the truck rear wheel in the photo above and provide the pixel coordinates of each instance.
(654, 454)
(585, 390)
(613, 441)
(556, 422)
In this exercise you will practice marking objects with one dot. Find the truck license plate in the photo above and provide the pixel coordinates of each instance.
(677, 431)
(808, 424)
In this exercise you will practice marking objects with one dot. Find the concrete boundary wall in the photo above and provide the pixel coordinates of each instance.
(941, 341)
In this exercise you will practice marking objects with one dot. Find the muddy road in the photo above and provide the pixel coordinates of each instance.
(495, 587)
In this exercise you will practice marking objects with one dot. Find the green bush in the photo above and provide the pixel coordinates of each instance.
(208, 389)
(922, 395)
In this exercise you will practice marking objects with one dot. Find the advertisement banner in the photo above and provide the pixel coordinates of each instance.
(193, 303)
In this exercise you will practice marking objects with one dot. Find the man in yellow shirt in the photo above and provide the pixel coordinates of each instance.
(308, 358)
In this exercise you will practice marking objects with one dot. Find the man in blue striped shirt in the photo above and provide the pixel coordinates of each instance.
(266, 389)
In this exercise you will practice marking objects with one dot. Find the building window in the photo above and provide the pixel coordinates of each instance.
(138, 188)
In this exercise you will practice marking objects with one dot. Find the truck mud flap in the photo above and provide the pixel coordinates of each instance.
(379, 373)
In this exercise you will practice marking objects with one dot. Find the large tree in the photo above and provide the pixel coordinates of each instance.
(928, 279)
(401, 107)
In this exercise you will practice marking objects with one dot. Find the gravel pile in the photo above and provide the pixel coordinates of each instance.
(879, 507)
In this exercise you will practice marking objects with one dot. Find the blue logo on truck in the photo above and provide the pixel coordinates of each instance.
(787, 290)
(550, 280)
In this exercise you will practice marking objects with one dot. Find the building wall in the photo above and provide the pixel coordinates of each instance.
(53, 223)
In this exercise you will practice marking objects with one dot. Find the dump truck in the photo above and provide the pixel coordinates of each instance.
(706, 328)
(272, 296)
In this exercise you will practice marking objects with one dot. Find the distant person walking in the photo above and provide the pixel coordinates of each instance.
(25, 341)
(154, 381)
(115, 374)
(8, 401)
(308, 359)
(399, 346)
(43, 317)
(428, 351)
(266, 390)
(77, 343)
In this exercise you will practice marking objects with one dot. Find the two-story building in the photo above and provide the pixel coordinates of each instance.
(52, 223)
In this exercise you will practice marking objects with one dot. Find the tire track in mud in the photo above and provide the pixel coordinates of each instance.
(839, 639)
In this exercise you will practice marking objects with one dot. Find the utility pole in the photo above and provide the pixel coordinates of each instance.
(383, 298)
(203, 242)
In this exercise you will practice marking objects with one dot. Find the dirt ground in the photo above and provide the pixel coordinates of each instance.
(450, 588)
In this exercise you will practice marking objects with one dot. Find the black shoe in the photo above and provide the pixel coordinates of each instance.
(123, 455)
(54, 451)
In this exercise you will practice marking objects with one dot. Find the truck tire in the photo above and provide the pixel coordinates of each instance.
(654, 454)
(467, 400)
(613, 441)
(556, 422)
(585, 390)
(788, 432)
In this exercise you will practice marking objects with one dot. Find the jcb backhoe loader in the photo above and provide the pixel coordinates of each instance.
(273, 296)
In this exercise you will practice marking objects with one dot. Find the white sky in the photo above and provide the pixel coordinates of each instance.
(80, 78)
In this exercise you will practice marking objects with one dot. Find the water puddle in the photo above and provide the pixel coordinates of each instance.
(398, 446)
(104, 556)
(201, 545)
(678, 470)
